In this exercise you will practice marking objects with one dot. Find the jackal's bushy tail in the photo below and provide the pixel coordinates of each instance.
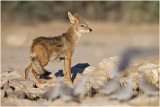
(36, 66)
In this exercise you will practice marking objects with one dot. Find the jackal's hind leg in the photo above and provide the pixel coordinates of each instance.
(27, 70)
(37, 78)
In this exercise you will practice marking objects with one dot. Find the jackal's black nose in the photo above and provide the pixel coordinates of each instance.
(90, 30)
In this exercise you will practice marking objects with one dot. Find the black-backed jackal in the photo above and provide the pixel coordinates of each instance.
(44, 49)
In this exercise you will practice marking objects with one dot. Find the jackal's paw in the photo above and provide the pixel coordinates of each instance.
(26, 77)
(69, 80)
(65, 76)
(41, 81)
(71, 83)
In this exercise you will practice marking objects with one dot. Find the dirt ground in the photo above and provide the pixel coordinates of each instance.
(106, 40)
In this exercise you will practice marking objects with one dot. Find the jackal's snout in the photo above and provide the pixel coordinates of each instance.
(90, 30)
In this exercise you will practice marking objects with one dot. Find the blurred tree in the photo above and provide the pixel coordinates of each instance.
(128, 11)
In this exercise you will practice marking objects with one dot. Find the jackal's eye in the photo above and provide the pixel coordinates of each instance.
(82, 25)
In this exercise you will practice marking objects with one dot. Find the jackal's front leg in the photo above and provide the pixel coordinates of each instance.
(68, 62)
(64, 68)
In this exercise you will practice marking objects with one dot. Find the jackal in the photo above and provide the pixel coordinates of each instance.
(45, 49)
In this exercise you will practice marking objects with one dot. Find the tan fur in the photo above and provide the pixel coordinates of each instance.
(44, 49)
(77, 17)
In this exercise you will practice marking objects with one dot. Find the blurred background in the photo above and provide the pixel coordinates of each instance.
(116, 25)
(115, 11)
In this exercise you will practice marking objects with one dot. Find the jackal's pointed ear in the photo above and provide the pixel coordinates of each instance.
(77, 16)
(71, 18)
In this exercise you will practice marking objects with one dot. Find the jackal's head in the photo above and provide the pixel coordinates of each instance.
(79, 24)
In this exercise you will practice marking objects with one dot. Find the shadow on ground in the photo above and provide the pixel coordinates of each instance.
(78, 68)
